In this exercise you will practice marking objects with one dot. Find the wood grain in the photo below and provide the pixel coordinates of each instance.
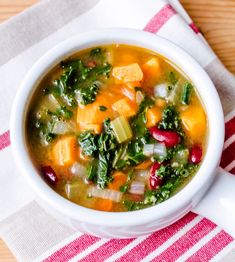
(215, 18)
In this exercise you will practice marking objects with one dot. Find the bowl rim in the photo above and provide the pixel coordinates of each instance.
(178, 56)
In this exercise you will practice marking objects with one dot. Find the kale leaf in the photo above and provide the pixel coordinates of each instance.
(79, 79)
(103, 147)
(88, 95)
(171, 120)
(88, 143)
(138, 122)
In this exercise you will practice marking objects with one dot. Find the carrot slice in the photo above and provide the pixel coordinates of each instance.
(128, 73)
(104, 204)
(65, 151)
(119, 179)
(125, 107)
(144, 165)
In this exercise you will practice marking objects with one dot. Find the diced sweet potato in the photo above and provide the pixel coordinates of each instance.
(65, 151)
(152, 69)
(119, 179)
(128, 73)
(125, 107)
(194, 122)
(160, 102)
(154, 115)
(133, 84)
(91, 113)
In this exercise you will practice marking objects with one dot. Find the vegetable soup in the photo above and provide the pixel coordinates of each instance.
(116, 128)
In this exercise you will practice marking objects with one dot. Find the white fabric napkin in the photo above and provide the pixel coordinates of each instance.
(32, 234)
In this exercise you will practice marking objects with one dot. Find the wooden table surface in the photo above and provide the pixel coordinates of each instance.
(215, 18)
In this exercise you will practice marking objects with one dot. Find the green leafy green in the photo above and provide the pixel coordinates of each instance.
(138, 122)
(88, 95)
(96, 51)
(103, 172)
(102, 147)
(79, 79)
(88, 143)
(171, 120)
(91, 172)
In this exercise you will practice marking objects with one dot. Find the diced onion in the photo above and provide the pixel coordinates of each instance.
(159, 149)
(148, 149)
(142, 175)
(63, 127)
(154, 149)
(49, 102)
(113, 195)
(161, 90)
(78, 170)
(137, 187)
(139, 97)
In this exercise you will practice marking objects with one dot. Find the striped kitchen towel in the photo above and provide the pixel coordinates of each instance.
(32, 234)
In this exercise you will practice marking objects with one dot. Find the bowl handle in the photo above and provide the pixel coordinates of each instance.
(218, 204)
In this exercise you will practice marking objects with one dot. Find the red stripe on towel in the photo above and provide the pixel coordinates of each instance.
(5, 140)
(72, 249)
(183, 244)
(230, 128)
(228, 155)
(194, 28)
(160, 19)
(212, 248)
(106, 250)
(155, 240)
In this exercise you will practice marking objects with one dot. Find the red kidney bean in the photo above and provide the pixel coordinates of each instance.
(50, 175)
(169, 138)
(154, 180)
(195, 155)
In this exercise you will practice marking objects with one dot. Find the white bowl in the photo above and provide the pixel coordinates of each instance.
(122, 224)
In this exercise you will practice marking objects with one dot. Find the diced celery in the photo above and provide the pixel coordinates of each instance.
(175, 93)
(122, 129)
(72, 190)
(187, 90)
